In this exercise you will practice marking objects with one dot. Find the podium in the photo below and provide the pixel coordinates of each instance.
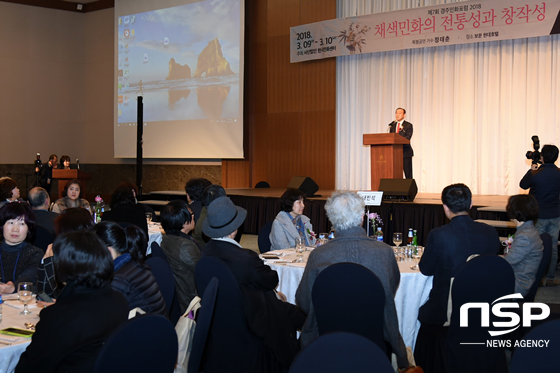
(64, 175)
(386, 156)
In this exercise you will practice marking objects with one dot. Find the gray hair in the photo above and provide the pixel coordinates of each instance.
(37, 197)
(345, 210)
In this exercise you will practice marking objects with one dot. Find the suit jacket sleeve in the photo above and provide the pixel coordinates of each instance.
(527, 180)
(429, 261)
(406, 130)
(262, 276)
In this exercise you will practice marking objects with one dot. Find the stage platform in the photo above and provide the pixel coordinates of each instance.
(423, 214)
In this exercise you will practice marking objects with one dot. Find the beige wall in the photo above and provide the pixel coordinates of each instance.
(56, 85)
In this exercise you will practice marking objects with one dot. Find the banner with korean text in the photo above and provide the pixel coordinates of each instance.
(447, 24)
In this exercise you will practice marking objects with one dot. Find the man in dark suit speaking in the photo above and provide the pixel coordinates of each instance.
(403, 128)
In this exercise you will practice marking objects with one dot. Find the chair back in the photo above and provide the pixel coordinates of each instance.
(483, 279)
(264, 237)
(539, 359)
(262, 184)
(205, 314)
(123, 350)
(165, 280)
(348, 297)
(43, 238)
(231, 346)
(157, 251)
(543, 266)
(341, 352)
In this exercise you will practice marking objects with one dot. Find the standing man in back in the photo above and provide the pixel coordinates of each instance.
(405, 129)
(544, 182)
(447, 250)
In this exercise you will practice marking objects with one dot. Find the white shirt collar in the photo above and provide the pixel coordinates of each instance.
(227, 239)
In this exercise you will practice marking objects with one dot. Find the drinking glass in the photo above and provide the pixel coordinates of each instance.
(397, 239)
(417, 255)
(300, 249)
(149, 217)
(25, 292)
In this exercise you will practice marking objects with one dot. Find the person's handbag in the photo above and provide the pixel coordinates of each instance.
(185, 333)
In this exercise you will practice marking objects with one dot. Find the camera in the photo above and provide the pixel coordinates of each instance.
(535, 155)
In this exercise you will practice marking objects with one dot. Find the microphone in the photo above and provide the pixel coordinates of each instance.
(78, 163)
(389, 126)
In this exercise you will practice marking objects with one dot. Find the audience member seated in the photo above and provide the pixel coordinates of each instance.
(132, 277)
(40, 201)
(447, 250)
(72, 331)
(194, 189)
(210, 193)
(290, 223)
(18, 258)
(125, 209)
(526, 251)
(72, 197)
(180, 248)
(71, 220)
(9, 191)
(268, 317)
(345, 211)
(65, 162)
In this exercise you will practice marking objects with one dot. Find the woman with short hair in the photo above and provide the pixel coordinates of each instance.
(72, 197)
(132, 277)
(72, 331)
(65, 162)
(290, 223)
(9, 191)
(526, 251)
(18, 257)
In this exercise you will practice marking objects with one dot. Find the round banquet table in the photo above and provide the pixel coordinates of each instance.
(9, 355)
(413, 291)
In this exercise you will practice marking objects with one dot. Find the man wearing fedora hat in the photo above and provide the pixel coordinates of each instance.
(268, 317)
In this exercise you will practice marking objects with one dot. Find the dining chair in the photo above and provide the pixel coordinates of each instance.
(262, 184)
(157, 251)
(203, 322)
(341, 352)
(151, 333)
(43, 237)
(165, 280)
(231, 346)
(348, 297)
(264, 237)
(483, 279)
(544, 358)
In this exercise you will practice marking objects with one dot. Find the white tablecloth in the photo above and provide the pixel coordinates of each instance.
(413, 290)
(156, 233)
(9, 355)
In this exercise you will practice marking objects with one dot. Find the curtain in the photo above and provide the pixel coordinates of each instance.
(474, 107)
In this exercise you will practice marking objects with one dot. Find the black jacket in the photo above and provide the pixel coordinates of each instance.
(71, 332)
(545, 187)
(140, 288)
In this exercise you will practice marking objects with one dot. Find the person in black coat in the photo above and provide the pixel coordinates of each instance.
(72, 331)
(125, 209)
(18, 258)
(194, 188)
(405, 129)
(446, 252)
(268, 317)
(132, 277)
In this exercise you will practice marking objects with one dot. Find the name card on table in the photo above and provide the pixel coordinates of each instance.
(372, 198)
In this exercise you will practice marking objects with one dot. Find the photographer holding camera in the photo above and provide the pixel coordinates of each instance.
(544, 182)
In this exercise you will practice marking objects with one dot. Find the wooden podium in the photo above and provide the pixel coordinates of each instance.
(386, 156)
(64, 175)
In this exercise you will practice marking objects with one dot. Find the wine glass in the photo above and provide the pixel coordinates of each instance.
(397, 239)
(417, 255)
(300, 249)
(149, 218)
(25, 292)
